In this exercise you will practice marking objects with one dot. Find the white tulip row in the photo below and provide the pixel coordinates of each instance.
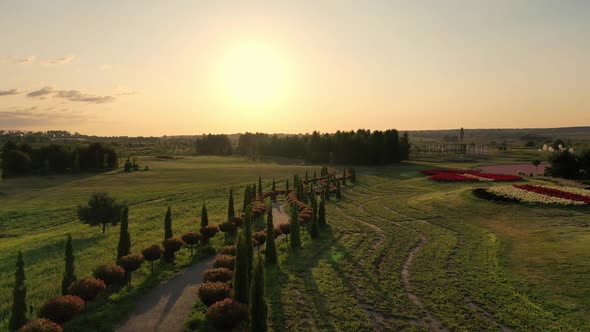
(525, 196)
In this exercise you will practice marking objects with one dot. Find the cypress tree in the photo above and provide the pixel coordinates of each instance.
(168, 224)
(295, 233)
(314, 175)
(246, 199)
(241, 280)
(258, 307)
(230, 209)
(18, 316)
(252, 196)
(259, 185)
(287, 186)
(248, 237)
(271, 249)
(338, 192)
(322, 214)
(124, 246)
(344, 176)
(306, 178)
(314, 231)
(273, 185)
(69, 273)
(204, 216)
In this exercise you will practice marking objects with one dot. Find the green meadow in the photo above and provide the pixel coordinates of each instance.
(401, 252)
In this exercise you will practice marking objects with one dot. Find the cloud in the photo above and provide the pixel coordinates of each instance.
(75, 95)
(41, 92)
(59, 61)
(9, 92)
(105, 67)
(27, 60)
(19, 116)
(124, 91)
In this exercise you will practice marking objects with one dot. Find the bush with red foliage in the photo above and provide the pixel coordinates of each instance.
(554, 193)
(285, 228)
(211, 292)
(457, 175)
(131, 263)
(110, 274)
(221, 274)
(260, 237)
(41, 325)
(278, 232)
(151, 254)
(227, 313)
(226, 261)
(208, 232)
(87, 289)
(228, 250)
(228, 227)
(62, 308)
(191, 238)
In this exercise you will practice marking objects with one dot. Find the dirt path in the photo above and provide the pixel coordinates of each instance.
(166, 307)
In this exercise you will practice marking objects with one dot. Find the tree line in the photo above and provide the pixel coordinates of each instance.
(24, 159)
(213, 145)
(343, 147)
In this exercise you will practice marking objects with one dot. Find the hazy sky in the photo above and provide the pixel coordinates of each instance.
(191, 67)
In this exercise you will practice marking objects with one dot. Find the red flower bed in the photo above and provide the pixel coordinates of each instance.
(554, 193)
(450, 177)
(457, 175)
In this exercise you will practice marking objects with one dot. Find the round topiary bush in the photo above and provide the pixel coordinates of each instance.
(228, 250)
(228, 227)
(191, 238)
(226, 261)
(208, 232)
(62, 308)
(227, 313)
(41, 325)
(172, 244)
(278, 232)
(110, 274)
(221, 274)
(260, 237)
(151, 254)
(239, 221)
(211, 292)
(87, 288)
(285, 228)
(131, 263)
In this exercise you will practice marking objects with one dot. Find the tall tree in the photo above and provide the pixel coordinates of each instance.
(248, 236)
(259, 185)
(314, 230)
(101, 209)
(18, 316)
(462, 133)
(295, 232)
(69, 274)
(204, 216)
(344, 177)
(287, 186)
(124, 246)
(168, 224)
(322, 214)
(246, 198)
(271, 249)
(241, 280)
(338, 191)
(230, 209)
(258, 306)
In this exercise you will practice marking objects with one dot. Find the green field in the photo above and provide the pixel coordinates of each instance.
(467, 264)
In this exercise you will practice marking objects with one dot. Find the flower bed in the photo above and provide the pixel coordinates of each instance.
(453, 175)
(546, 195)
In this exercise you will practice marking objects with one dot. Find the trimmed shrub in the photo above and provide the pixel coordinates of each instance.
(211, 292)
(226, 261)
(260, 237)
(110, 274)
(41, 325)
(239, 221)
(221, 274)
(227, 313)
(228, 250)
(191, 238)
(151, 254)
(87, 289)
(285, 228)
(171, 245)
(62, 308)
(131, 263)
(208, 232)
(228, 227)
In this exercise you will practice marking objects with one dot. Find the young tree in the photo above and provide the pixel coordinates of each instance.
(102, 209)
(536, 163)
(204, 216)
(241, 280)
(151, 254)
(230, 209)
(124, 246)
(246, 198)
(338, 191)
(314, 231)
(344, 177)
(18, 316)
(168, 224)
(69, 273)
(248, 236)
(271, 249)
(259, 185)
(287, 186)
(273, 196)
(258, 307)
(322, 214)
(295, 233)
(462, 133)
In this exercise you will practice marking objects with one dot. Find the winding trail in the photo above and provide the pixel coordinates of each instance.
(166, 307)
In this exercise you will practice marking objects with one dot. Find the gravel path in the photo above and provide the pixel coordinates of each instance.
(166, 307)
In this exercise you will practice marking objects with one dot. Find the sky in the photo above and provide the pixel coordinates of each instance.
(192, 67)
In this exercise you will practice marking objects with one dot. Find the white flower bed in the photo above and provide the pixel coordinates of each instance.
(522, 195)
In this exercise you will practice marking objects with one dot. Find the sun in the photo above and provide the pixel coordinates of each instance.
(254, 74)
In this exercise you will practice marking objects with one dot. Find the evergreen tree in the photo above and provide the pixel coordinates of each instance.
(168, 224)
(338, 192)
(259, 186)
(271, 249)
(306, 178)
(461, 133)
(287, 186)
(258, 307)
(274, 187)
(246, 198)
(69, 273)
(204, 216)
(322, 214)
(295, 232)
(241, 280)
(230, 209)
(124, 246)
(344, 177)
(314, 175)
(314, 231)
(248, 236)
(252, 193)
(18, 316)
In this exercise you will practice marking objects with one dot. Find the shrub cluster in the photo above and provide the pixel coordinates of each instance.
(110, 274)
(226, 261)
(87, 289)
(62, 308)
(221, 274)
(211, 292)
(227, 313)
(228, 250)
(41, 325)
